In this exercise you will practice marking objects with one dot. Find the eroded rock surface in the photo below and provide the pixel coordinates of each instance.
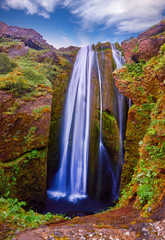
(146, 45)
(24, 127)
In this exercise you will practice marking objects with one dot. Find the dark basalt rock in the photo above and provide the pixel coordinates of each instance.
(32, 44)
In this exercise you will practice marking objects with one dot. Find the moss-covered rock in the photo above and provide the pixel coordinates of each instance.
(28, 114)
(26, 177)
(24, 128)
(111, 135)
(143, 172)
(23, 125)
(97, 170)
(137, 125)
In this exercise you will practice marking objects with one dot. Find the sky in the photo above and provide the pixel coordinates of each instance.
(82, 22)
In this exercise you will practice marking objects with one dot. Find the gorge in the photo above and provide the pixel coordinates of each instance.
(45, 121)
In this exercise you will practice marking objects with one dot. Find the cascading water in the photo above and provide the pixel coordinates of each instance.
(119, 60)
(71, 178)
(104, 167)
(75, 176)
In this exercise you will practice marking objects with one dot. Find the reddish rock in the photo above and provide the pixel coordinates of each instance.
(146, 45)
(31, 37)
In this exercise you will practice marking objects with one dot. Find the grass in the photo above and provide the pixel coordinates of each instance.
(13, 215)
(28, 74)
(6, 64)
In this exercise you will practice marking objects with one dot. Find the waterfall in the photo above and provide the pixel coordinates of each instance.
(71, 178)
(75, 176)
(119, 60)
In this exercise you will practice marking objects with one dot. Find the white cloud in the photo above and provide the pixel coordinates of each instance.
(31, 7)
(127, 15)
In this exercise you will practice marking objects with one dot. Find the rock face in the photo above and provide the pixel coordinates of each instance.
(15, 50)
(146, 45)
(30, 42)
(31, 38)
(32, 95)
(24, 127)
(110, 126)
(143, 83)
(69, 49)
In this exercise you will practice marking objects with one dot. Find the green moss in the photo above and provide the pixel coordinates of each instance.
(119, 47)
(136, 49)
(38, 112)
(135, 69)
(6, 64)
(137, 125)
(21, 177)
(111, 134)
(162, 49)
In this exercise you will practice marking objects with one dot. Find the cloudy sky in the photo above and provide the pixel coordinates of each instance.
(83, 22)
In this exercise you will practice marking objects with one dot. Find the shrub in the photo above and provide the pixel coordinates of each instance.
(162, 49)
(135, 69)
(18, 87)
(4, 183)
(2, 39)
(6, 64)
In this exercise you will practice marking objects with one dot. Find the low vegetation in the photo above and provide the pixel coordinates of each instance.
(33, 73)
(143, 175)
(27, 77)
(16, 218)
(6, 64)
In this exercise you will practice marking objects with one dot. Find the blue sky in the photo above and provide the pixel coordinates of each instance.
(83, 22)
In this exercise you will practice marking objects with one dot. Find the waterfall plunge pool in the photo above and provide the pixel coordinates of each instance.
(81, 207)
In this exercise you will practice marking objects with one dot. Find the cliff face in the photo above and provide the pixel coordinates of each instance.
(32, 90)
(99, 179)
(146, 45)
(24, 127)
(31, 38)
(143, 171)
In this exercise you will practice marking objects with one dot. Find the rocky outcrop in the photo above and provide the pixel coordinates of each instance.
(143, 83)
(24, 127)
(15, 50)
(97, 172)
(31, 38)
(32, 98)
(146, 45)
(69, 49)
(30, 42)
